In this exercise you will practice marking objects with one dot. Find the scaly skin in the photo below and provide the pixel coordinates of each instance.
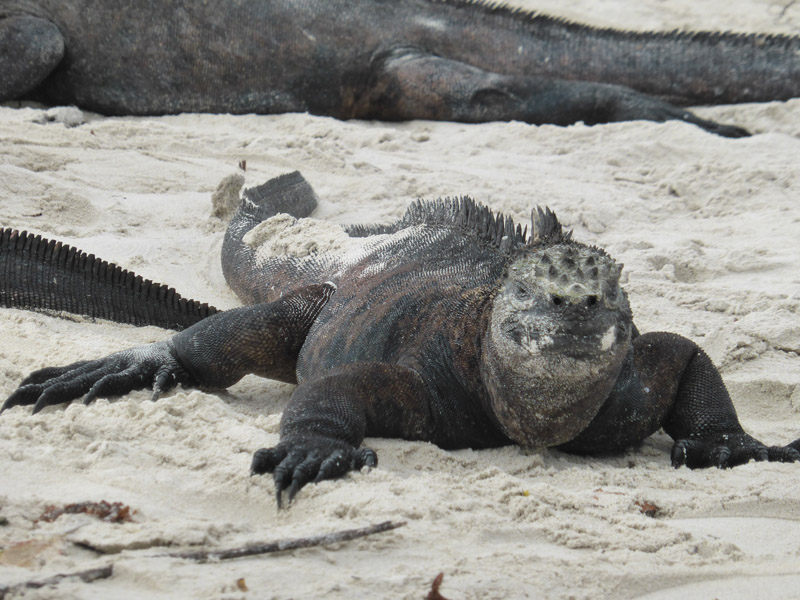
(406, 59)
(452, 325)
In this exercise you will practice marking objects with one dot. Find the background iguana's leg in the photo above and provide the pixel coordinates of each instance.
(669, 382)
(253, 282)
(264, 340)
(30, 48)
(410, 84)
(328, 417)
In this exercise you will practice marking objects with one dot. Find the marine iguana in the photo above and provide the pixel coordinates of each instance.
(459, 60)
(452, 325)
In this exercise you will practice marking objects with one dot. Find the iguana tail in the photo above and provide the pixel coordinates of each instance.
(681, 67)
(41, 274)
(252, 280)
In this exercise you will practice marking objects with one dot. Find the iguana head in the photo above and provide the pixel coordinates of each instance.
(559, 330)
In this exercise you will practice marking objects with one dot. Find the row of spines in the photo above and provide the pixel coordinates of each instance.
(48, 274)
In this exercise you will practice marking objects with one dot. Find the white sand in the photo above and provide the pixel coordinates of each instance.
(708, 229)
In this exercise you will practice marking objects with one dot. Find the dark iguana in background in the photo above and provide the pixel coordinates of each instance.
(452, 325)
(456, 60)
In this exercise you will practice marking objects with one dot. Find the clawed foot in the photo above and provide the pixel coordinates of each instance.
(729, 450)
(731, 131)
(294, 464)
(115, 375)
(624, 104)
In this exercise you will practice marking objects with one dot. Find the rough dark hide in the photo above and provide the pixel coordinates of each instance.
(458, 60)
(453, 325)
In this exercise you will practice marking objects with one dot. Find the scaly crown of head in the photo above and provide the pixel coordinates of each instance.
(566, 270)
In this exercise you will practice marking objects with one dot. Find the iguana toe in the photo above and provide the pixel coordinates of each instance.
(334, 466)
(728, 450)
(783, 454)
(48, 373)
(114, 384)
(295, 464)
(266, 459)
(23, 395)
(364, 457)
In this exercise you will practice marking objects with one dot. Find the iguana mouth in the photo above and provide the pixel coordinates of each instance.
(582, 341)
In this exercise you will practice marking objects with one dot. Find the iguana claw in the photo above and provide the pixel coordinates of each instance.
(295, 464)
(115, 375)
(728, 451)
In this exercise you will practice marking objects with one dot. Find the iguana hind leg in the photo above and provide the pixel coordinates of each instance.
(411, 84)
(669, 382)
(30, 48)
(216, 352)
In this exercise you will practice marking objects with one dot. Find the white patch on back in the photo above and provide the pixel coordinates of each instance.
(328, 245)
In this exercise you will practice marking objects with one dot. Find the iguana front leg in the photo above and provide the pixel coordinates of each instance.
(702, 419)
(328, 417)
(669, 382)
(264, 340)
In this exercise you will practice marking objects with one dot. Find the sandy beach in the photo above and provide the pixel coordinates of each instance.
(707, 228)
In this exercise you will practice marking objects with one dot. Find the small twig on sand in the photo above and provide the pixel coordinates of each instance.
(290, 544)
(786, 7)
(86, 576)
(91, 575)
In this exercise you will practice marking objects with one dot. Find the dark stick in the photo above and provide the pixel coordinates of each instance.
(344, 535)
(290, 544)
(87, 576)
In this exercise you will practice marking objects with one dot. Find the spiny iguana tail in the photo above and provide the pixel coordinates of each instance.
(47, 275)
(458, 60)
(452, 325)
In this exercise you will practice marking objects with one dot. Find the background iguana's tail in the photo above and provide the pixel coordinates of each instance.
(41, 274)
(684, 68)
